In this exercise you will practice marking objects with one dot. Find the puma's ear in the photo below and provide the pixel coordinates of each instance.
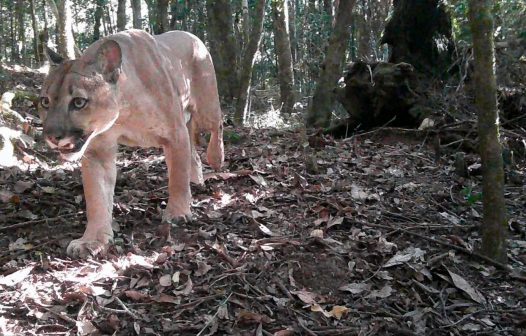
(54, 58)
(109, 58)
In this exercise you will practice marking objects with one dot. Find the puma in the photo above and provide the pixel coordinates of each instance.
(140, 90)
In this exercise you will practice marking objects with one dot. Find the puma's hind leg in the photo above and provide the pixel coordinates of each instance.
(208, 115)
(196, 170)
(215, 151)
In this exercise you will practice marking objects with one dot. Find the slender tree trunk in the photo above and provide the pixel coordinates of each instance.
(99, 12)
(21, 25)
(364, 32)
(246, 20)
(201, 20)
(108, 9)
(137, 16)
(248, 59)
(282, 43)
(44, 14)
(35, 31)
(174, 12)
(12, 28)
(223, 47)
(121, 15)
(163, 25)
(494, 228)
(66, 43)
(322, 102)
(292, 30)
(2, 39)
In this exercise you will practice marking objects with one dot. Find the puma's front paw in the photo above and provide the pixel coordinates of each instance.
(84, 248)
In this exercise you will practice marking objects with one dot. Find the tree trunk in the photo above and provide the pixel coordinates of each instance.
(163, 25)
(137, 17)
(2, 39)
(292, 30)
(121, 15)
(99, 12)
(283, 53)
(494, 226)
(21, 38)
(174, 12)
(322, 102)
(223, 47)
(12, 28)
(364, 32)
(420, 33)
(108, 9)
(246, 20)
(35, 32)
(201, 20)
(247, 63)
(66, 43)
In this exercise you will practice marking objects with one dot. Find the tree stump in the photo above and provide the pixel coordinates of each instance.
(420, 33)
(378, 94)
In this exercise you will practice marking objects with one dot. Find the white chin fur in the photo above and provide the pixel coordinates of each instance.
(72, 156)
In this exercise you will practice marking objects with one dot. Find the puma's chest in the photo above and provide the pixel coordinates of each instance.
(147, 137)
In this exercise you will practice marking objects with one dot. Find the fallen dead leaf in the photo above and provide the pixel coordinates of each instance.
(16, 277)
(356, 288)
(249, 317)
(386, 291)
(202, 268)
(463, 285)
(165, 280)
(338, 311)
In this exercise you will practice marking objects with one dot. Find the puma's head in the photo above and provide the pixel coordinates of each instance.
(78, 99)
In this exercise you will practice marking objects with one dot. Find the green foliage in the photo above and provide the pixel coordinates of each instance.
(231, 136)
(510, 19)
(471, 196)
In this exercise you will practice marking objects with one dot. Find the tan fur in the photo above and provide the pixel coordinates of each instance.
(137, 88)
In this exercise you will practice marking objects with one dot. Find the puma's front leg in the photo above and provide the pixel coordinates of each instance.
(178, 159)
(99, 173)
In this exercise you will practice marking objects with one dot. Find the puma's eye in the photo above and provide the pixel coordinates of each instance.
(44, 102)
(79, 103)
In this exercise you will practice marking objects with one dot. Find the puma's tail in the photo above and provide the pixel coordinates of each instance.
(215, 151)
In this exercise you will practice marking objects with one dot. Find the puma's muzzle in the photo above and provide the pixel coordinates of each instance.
(67, 142)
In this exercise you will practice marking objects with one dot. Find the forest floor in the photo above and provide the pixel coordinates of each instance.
(375, 236)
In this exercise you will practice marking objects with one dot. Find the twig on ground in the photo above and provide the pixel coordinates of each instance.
(459, 249)
(37, 221)
(215, 315)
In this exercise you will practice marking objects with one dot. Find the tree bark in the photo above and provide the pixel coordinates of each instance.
(494, 228)
(108, 9)
(246, 20)
(158, 15)
(322, 102)
(283, 53)
(21, 38)
(66, 43)
(99, 12)
(292, 30)
(137, 17)
(223, 47)
(121, 15)
(35, 32)
(163, 25)
(2, 39)
(364, 32)
(14, 53)
(420, 33)
(247, 63)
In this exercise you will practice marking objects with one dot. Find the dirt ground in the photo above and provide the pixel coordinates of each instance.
(374, 236)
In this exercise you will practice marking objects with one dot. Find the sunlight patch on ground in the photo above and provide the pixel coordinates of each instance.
(273, 118)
